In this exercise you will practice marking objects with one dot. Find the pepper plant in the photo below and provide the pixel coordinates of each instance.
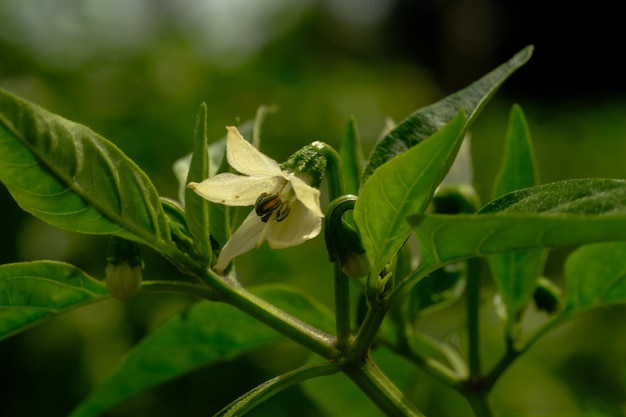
(404, 237)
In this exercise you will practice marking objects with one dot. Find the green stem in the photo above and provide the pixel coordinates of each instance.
(306, 335)
(479, 404)
(512, 353)
(473, 310)
(503, 364)
(219, 288)
(295, 329)
(368, 331)
(334, 169)
(275, 385)
(375, 384)
(430, 365)
(334, 232)
(342, 308)
(334, 178)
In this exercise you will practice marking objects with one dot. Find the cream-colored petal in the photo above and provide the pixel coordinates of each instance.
(307, 195)
(247, 159)
(235, 190)
(244, 239)
(300, 225)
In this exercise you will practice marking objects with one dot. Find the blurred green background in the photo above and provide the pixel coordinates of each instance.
(136, 71)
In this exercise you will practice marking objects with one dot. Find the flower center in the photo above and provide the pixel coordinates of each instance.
(270, 203)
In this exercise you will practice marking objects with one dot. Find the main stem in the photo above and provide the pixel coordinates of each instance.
(473, 317)
(375, 384)
(301, 332)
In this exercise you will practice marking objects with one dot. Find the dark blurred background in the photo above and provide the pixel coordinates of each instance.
(136, 71)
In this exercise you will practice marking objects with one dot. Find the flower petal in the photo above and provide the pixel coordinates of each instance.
(235, 190)
(244, 239)
(301, 224)
(247, 159)
(307, 195)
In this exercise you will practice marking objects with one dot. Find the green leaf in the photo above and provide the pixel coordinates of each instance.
(206, 333)
(595, 276)
(217, 159)
(31, 292)
(572, 212)
(516, 273)
(426, 121)
(400, 187)
(197, 209)
(519, 168)
(175, 216)
(221, 217)
(351, 156)
(70, 177)
(586, 196)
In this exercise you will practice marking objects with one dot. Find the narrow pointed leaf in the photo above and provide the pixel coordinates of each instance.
(31, 292)
(516, 273)
(197, 209)
(72, 178)
(401, 187)
(220, 216)
(351, 156)
(206, 333)
(426, 121)
(572, 212)
(519, 168)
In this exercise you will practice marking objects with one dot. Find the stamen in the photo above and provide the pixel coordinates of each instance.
(282, 212)
(267, 203)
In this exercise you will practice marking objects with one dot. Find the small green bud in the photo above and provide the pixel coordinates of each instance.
(123, 270)
(123, 280)
(343, 241)
(460, 198)
(355, 265)
(547, 296)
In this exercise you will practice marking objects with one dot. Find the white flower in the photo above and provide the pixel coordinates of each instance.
(287, 210)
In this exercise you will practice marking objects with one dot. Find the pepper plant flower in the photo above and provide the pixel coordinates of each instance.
(286, 210)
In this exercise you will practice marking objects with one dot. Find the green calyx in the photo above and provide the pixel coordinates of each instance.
(309, 163)
(343, 241)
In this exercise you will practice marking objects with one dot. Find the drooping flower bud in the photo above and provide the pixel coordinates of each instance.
(123, 270)
(343, 241)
